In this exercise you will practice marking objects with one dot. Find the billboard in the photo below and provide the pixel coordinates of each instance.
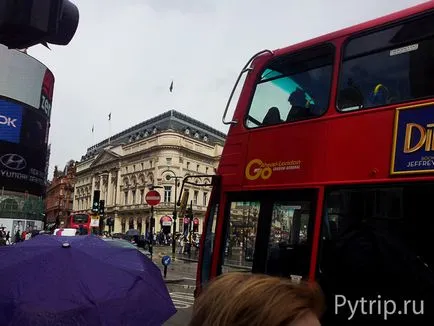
(26, 80)
(26, 93)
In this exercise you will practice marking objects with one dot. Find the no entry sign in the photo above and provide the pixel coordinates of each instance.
(153, 198)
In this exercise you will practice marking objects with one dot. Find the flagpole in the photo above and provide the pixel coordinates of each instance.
(172, 100)
(93, 135)
(110, 127)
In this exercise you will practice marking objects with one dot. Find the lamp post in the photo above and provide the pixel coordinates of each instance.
(168, 177)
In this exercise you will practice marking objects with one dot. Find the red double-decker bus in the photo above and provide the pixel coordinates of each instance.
(327, 171)
(80, 219)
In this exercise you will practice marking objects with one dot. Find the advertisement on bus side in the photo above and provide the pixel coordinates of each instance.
(413, 140)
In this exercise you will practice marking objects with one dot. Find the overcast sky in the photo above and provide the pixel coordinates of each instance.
(126, 52)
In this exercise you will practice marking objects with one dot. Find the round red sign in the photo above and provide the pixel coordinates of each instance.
(153, 198)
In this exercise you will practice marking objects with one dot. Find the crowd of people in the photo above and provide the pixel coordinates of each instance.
(6, 238)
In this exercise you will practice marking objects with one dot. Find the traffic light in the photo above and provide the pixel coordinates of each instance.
(95, 201)
(101, 208)
(29, 22)
(189, 213)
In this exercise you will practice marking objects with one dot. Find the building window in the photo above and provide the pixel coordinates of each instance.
(168, 161)
(187, 131)
(181, 160)
(205, 138)
(134, 196)
(188, 165)
(150, 163)
(205, 198)
(167, 193)
(197, 167)
(142, 165)
(142, 195)
(206, 170)
(196, 194)
(196, 135)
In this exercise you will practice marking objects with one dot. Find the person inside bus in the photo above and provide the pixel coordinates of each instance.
(240, 299)
(299, 106)
(272, 117)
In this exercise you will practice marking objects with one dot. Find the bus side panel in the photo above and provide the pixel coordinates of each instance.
(234, 152)
(286, 154)
(218, 240)
(351, 132)
(208, 223)
(316, 233)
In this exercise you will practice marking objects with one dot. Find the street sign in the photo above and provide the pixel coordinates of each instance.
(153, 198)
(166, 260)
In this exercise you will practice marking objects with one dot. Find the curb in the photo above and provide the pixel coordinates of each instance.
(188, 259)
(175, 280)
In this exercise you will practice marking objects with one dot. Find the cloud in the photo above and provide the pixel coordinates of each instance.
(125, 54)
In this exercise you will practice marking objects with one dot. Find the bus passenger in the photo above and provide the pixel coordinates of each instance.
(299, 106)
(252, 299)
(272, 117)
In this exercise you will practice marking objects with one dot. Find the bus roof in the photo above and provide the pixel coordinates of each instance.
(374, 23)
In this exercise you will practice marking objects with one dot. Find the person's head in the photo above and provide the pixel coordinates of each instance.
(245, 299)
(298, 98)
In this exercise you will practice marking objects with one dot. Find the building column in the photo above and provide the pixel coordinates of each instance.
(109, 189)
(92, 189)
(118, 188)
(100, 187)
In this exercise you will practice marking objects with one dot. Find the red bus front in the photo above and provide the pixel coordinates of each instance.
(80, 220)
(327, 171)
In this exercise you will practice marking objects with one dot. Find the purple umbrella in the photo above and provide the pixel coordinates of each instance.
(80, 280)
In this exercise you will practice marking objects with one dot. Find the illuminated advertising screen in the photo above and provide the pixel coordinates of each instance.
(26, 92)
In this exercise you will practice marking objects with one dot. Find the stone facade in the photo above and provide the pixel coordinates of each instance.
(59, 198)
(147, 156)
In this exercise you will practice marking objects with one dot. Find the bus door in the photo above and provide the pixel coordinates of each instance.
(269, 232)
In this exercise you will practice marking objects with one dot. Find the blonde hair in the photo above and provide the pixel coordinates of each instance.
(252, 299)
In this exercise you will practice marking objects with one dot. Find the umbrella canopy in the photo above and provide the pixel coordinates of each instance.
(54, 280)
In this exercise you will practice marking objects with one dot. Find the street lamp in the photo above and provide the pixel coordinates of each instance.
(169, 177)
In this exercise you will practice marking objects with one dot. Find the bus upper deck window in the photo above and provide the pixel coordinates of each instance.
(293, 88)
(389, 66)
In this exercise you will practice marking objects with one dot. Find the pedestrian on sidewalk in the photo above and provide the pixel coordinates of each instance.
(180, 245)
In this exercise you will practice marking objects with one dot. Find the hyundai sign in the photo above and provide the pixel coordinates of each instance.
(26, 93)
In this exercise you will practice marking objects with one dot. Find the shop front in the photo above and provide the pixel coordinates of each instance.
(166, 224)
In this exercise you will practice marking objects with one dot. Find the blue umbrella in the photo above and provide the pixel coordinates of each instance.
(80, 280)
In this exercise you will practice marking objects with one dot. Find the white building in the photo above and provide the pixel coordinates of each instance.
(126, 166)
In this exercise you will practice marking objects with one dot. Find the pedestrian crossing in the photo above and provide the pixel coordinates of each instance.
(182, 300)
